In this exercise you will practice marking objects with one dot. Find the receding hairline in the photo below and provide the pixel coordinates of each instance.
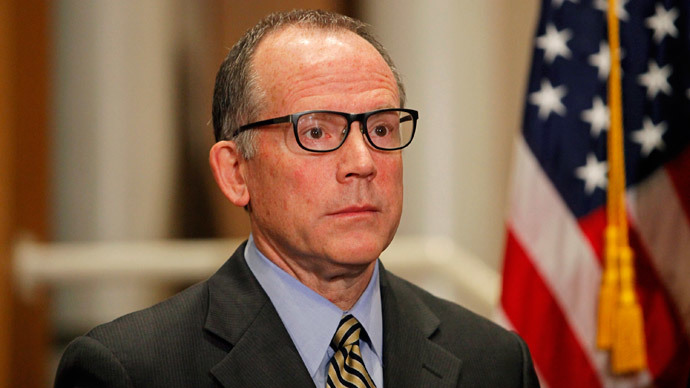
(316, 30)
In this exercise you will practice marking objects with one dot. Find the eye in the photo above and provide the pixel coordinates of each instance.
(314, 133)
(381, 131)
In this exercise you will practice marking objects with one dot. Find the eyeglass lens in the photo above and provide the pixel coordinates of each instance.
(325, 131)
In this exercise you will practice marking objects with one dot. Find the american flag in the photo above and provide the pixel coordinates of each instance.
(553, 260)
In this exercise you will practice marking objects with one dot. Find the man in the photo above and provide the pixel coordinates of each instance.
(308, 116)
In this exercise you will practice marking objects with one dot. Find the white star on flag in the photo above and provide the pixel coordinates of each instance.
(602, 60)
(548, 99)
(662, 22)
(603, 5)
(593, 173)
(650, 137)
(554, 43)
(597, 117)
(656, 79)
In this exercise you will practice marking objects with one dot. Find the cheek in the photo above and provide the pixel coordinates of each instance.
(390, 175)
(308, 185)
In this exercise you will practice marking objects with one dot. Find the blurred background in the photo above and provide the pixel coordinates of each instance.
(105, 130)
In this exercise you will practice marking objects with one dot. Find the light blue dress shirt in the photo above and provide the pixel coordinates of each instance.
(311, 320)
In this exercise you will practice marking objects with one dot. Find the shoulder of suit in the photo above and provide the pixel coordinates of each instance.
(157, 323)
(180, 313)
(485, 348)
(454, 320)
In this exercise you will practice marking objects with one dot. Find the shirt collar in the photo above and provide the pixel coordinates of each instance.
(310, 319)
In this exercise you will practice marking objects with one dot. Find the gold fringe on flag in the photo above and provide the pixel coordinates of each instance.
(620, 325)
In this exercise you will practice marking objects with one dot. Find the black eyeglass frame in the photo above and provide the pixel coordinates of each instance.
(350, 117)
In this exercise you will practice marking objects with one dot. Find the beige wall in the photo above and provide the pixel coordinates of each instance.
(465, 66)
(114, 104)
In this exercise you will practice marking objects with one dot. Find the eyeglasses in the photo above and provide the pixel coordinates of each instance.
(325, 131)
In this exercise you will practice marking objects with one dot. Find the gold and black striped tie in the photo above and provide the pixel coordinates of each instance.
(346, 368)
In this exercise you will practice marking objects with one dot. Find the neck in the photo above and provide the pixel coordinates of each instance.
(341, 284)
(343, 290)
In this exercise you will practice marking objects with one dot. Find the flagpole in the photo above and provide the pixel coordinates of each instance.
(620, 321)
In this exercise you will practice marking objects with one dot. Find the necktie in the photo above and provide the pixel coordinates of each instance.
(346, 368)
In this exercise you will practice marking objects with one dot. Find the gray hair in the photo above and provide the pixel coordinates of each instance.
(237, 97)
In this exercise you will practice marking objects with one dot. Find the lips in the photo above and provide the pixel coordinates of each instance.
(355, 210)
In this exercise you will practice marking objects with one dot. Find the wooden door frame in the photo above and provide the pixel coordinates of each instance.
(25, 68)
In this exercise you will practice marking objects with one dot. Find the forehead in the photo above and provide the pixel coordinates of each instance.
(297, 68)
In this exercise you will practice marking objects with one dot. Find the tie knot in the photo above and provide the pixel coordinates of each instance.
(348, 332)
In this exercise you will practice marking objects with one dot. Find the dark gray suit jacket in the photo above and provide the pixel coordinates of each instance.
(224, 332)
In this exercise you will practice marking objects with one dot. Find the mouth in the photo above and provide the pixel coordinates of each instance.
(357, 210)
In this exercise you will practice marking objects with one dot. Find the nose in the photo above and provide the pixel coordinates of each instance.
(356, 158)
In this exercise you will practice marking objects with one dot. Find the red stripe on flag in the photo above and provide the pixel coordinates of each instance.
(678, 169)
(542, 324)
(668, 349)
(593, 226)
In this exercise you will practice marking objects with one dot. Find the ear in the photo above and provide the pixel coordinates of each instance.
(228, 168)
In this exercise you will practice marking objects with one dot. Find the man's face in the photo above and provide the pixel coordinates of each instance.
(324, 212)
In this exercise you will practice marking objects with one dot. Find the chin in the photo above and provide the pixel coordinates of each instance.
(358, 251)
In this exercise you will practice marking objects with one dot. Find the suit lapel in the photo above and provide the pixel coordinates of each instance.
(410, 358)
(262, 353)
(263, 357)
